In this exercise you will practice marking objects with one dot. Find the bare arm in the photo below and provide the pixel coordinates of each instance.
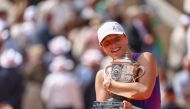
(101, 93)
(142, 89)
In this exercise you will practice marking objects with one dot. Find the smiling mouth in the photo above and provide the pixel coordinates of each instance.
(115, 49)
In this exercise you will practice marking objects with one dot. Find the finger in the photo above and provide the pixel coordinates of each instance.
(106, 83)
(127, 105)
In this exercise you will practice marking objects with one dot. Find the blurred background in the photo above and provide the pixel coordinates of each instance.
(49, 52)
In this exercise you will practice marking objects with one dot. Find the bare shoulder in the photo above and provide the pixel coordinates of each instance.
(147, 57)
(100, 74)
(149, 62)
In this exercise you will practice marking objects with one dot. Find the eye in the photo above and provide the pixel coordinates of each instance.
(117, 39)
(106, 44)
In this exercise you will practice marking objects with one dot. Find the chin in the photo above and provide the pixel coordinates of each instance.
(116, 56)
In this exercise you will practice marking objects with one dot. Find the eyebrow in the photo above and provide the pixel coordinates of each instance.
(111, 36)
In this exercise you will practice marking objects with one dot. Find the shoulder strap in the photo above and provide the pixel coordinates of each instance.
(135, 56)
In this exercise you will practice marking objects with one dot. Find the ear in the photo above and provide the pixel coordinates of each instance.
(102, 48)
(126, 39)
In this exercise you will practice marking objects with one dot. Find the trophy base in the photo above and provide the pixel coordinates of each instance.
(110, 105)
(107, 105)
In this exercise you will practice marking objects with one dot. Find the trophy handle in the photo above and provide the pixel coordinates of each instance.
(106, 81)
(141, 72)
(106, 70)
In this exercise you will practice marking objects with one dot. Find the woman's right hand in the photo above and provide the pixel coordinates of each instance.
(127, 105)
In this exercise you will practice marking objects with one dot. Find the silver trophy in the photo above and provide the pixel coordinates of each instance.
(122, 70)
(125, 70)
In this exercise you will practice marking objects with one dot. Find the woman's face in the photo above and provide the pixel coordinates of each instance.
(115, 46)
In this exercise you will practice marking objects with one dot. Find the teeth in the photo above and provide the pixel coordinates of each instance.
(115, 50)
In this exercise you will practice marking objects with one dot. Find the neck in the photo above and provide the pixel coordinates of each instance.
(129, 54)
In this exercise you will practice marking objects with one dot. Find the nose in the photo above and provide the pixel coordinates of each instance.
(113, 45)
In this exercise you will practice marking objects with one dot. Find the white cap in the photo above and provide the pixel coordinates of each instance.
(184, 19)
(10, 58)
(59, 45)
(30, 13)
(61, 61)
(108, 28)
(91, 56)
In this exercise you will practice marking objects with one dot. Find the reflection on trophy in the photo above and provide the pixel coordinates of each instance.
(125, 70)
(122, 70)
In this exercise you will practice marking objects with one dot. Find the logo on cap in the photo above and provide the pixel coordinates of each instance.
(117, 27)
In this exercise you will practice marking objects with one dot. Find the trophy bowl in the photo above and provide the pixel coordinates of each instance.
(125, 71)
(122, 70)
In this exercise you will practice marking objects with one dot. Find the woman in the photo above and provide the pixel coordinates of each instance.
(144, 93)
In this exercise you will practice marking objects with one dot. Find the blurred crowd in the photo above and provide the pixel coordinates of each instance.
(49, 52)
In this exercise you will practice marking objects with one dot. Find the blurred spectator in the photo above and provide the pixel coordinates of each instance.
(35, 68)
(60, 22)
(30, 25)
(60, 89)
(3, 20)
(89, 62)
(44, 33)
(23, 31)
(79, 39)
(140, 32)
(182, 79)
(86, 71)
(178, 45)
(12, 43)
(87, 36)
(11, 79)
(3, 26)
(6, 6)
(44, 8)
(170, 99)
(188, 40)
(58, 46)
(186, 7)
(21, 39)
(91, 41)
(89, 10)
(181, 84)
(113, 10)
(163, 85)
(44, 22)
(35, 71)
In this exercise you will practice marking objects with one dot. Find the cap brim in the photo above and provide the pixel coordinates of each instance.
(108, 34)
